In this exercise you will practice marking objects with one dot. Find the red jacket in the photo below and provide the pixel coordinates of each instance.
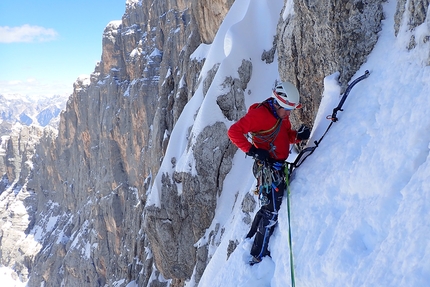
(261, 123)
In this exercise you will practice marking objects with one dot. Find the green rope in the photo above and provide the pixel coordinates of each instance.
(290, 241)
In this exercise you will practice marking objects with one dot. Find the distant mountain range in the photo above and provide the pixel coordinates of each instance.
(30, 111)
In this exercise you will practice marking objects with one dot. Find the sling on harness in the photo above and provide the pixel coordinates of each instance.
(268, 136)
(269, 176)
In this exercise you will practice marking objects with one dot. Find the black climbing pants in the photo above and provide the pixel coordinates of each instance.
(265, 221)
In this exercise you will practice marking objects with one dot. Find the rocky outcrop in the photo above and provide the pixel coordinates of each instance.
(17, 204)
(184, 215)
(182, 220)
(417, 11)
(16, 151)
(322, 37)
(213, 10)
(110, 144)
(410, 15)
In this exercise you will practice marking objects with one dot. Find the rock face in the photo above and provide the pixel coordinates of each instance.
(418, 10)
(203, 10)
(111, 140)
(83, 212)
(174, 227)
(323, 37)
(17, 205)
(16, 151)
(412, 14)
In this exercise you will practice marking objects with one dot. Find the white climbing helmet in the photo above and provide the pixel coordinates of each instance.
(287, 96)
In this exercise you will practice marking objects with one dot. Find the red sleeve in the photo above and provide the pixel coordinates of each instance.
(239, 130)
(237, 133)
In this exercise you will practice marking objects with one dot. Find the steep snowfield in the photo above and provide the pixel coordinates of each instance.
(360, 206)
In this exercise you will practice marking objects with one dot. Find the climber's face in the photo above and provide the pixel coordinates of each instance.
(282, 113)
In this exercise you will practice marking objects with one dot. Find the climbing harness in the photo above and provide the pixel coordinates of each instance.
(269, 176)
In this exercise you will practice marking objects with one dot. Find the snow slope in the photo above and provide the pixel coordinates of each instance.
(360, 206)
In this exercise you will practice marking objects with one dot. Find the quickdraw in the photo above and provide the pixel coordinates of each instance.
(269, 176)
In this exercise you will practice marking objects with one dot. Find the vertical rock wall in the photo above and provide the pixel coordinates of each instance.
(17, 205)
(91, 180)
(322, 37)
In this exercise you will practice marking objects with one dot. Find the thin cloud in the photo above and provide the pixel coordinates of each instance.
(35, 87)
(26, 34)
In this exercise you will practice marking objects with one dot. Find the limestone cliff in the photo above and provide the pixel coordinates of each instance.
(323, 37)
(17, 204)
(110, 144)
(111, 200)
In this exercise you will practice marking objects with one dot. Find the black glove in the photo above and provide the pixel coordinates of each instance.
(258, 153)
(303, 133)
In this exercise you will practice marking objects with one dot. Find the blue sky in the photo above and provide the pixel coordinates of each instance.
(46, 44)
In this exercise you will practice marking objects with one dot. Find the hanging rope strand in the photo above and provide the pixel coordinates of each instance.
(290, 240)
(268, 136)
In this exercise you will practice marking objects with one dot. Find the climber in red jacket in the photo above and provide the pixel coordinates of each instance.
(269, 129)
